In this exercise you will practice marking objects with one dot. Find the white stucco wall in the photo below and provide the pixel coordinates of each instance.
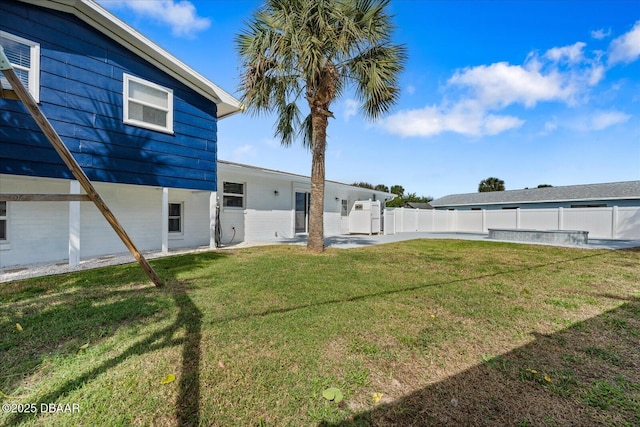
(36, 231)
(39, 231)
(270, 217)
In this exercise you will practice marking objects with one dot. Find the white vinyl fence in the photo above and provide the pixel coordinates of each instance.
(601, 223)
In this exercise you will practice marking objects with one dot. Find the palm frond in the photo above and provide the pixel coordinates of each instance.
(288, 123)
(375, 72)
(296, 50)
(306, 132)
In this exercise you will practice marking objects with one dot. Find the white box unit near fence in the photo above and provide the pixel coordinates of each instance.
(364, 217)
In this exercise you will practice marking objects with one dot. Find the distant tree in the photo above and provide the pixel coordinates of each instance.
(544, 186)
(411, 197)
(491, 184)
(395, 203)
(398, 190)
(363, 185)
(414, 198)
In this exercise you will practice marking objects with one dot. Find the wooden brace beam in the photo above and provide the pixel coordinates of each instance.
(8, 94)
(44, 198)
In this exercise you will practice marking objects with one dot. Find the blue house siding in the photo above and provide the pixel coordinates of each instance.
(81, 84)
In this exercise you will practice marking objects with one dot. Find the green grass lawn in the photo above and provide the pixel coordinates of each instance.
(440, 332)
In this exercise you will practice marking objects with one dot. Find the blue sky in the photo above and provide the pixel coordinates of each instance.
(531, 92)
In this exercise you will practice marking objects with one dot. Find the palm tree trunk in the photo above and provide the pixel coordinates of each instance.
(320, 122)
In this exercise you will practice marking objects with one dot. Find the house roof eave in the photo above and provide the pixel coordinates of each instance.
(114, 28)
(523, 202)
(259, 170)
(626, 190)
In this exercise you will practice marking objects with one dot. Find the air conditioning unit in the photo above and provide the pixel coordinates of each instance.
(364, 217)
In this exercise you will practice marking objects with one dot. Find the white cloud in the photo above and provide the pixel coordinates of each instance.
(550, 126)
(494, 125)
(595, 75)
(411, 89)
(466, 118)
(604, 119)
(475, 97)
(626, 48)
(350, 108)
(419, 122)
(502, 84)
(571, 54)
(588, 122)
(597, 121)
(600, 34)
(181, 15)
(478, 93)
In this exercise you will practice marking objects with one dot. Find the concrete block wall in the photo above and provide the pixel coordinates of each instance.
(40, 231)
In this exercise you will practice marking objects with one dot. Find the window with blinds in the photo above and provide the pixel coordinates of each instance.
(233, 195)
(147, 104)
(24, 56)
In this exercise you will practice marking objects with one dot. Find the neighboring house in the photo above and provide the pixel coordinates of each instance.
(621, 194)
(142, 125)
(264, 205)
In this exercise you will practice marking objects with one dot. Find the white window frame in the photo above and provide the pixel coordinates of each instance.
(33, 72)
(126, 78)
(344, 208)
(180, 232)
(4, 243)
(235, 195)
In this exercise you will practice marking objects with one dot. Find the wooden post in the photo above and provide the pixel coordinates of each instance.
(71, 163)
(44, 198)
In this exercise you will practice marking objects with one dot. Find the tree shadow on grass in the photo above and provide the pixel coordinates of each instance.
(585, 375)
(74, 317)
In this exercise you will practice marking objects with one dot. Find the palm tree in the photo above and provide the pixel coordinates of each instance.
(313, 50)
(491, 184)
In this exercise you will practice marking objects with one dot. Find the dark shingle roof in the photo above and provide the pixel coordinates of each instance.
(612, 190)
(417, 205)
